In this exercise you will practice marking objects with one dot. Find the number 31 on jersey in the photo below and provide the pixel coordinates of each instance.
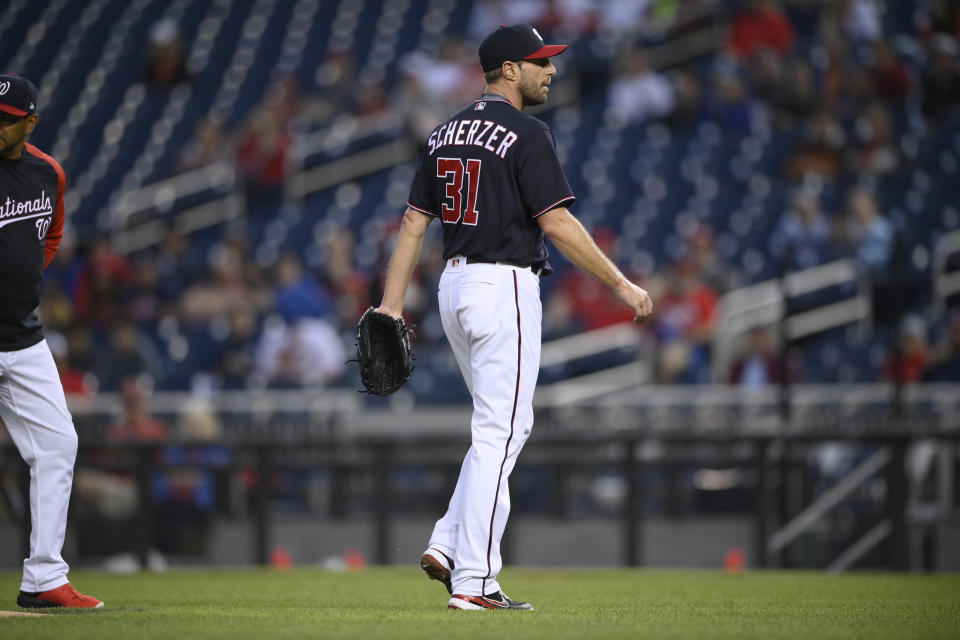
(452, 170)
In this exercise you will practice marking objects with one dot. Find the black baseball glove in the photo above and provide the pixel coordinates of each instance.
(383, 351)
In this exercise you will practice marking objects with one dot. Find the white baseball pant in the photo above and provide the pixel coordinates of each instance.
(34, 408)
(492, 317)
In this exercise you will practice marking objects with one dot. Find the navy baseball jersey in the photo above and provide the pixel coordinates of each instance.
(31, 226)
(487, 173)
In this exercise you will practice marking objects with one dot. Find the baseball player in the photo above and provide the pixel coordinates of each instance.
(32, 403)
(490, 174)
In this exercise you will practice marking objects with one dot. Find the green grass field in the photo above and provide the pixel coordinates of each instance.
(401, 603)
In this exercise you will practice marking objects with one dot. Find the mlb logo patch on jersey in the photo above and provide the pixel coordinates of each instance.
(480, 106)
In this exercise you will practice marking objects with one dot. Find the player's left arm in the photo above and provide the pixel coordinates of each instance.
(573, 241)
(55, 232)
(405, 256)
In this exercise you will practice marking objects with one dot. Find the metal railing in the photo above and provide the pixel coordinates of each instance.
(946, 281)
(604, 381)
(648, 428)
(765, 304)
(817, 410)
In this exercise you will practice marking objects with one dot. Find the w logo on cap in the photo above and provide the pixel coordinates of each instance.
(4, 87)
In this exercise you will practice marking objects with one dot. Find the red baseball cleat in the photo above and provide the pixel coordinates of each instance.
(63, 596)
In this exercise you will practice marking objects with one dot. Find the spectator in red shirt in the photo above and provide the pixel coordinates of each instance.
(592, 304)
(262, 157)
(914, 354)
(75, 381)
(137, 425)
(103, 284)
(684, 326)
(888, 75)
(688, 307)
(761, 25)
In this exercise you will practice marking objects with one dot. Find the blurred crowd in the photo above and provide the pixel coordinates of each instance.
(178, 316)
(210, 311)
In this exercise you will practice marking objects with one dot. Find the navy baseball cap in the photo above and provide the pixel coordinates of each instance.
(516, 42)
(18, 96)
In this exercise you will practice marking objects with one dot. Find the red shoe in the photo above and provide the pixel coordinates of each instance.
(63, 596)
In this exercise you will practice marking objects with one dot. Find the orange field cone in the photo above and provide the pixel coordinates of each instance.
(281, 558)
(355, 560)
(734, 560)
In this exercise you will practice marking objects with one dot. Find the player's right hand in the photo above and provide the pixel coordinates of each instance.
(639, 300)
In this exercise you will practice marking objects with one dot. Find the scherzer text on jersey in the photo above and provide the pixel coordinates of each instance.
(491, 136)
